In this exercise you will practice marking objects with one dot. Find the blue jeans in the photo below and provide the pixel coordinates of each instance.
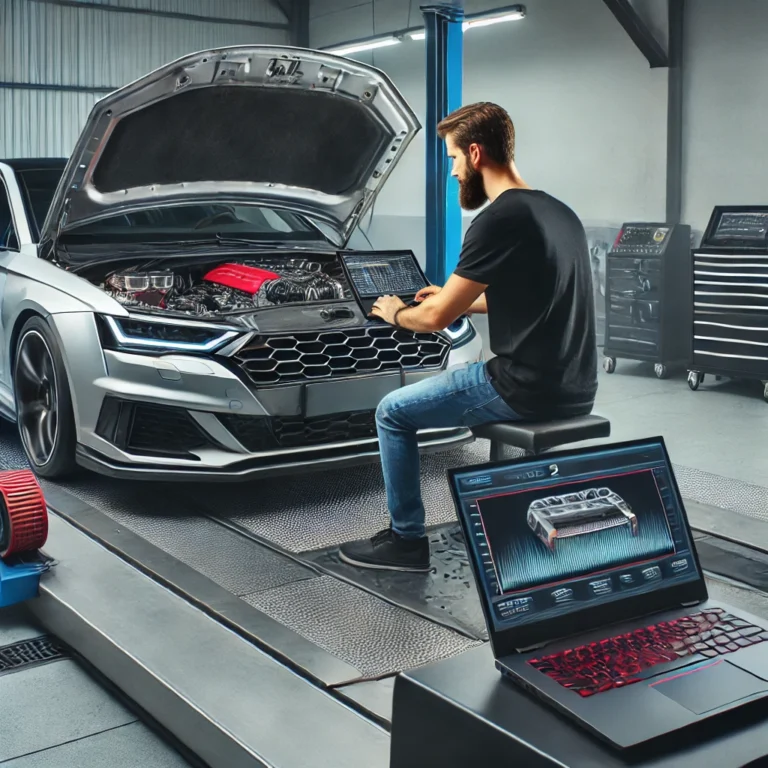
(459, 397)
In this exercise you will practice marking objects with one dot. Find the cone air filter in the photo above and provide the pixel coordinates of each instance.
(23, 513)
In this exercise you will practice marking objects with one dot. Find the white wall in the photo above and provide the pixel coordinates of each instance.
(725, 126)
(590, 114)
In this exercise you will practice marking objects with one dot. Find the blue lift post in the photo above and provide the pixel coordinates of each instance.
(444, 44)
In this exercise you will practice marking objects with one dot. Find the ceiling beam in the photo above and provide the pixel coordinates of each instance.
(639, 31)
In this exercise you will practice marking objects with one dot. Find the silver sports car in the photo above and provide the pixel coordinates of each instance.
(175, 301)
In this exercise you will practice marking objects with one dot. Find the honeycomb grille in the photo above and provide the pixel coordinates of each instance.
(349, 352)
(257, 433)
(167, 431)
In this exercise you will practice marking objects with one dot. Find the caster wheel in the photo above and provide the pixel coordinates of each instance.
(609, 364)
(661, 371)
(694, 379)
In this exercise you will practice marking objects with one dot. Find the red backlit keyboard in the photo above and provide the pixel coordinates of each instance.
(625, 659)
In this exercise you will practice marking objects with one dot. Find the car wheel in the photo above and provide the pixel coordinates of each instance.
(44, 412)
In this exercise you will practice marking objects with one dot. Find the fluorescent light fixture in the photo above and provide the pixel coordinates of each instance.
(499, 16)
(511, 14)
(364, 45)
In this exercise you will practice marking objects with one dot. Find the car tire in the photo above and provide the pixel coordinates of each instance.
(44, 414)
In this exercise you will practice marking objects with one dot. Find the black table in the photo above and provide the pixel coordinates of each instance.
(460, 713)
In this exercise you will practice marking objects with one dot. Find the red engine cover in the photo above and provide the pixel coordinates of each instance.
(24, 511)
(240, 277)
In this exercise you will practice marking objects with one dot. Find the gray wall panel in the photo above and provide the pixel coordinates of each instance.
(44, 43)
(725, 107)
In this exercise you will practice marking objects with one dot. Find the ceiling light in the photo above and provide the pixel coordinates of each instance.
(511, 15)
(367, 45)
(421, 35)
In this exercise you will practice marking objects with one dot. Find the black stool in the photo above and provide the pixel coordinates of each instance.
(537, 437)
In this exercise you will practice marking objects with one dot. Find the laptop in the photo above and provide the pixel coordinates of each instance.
(594, 596)
(383, 273)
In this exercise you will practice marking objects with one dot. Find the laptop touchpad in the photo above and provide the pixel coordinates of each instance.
(709, 685)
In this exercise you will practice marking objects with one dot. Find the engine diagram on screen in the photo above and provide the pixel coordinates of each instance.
(579, 514)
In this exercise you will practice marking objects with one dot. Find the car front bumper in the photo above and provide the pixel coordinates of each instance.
(232, 417)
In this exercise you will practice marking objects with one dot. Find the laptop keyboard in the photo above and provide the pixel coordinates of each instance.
(624, 659)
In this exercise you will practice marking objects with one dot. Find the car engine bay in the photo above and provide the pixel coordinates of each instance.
(228, 287)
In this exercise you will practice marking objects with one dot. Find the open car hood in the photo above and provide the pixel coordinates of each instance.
(272, 125)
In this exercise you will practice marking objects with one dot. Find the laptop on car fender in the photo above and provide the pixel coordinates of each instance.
(594, 596)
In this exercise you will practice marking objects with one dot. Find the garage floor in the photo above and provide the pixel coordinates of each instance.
(54, 714)
(272, 544)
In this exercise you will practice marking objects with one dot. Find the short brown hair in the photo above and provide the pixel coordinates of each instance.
(483, 123)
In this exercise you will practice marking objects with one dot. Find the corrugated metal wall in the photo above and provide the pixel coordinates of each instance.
(77, 48)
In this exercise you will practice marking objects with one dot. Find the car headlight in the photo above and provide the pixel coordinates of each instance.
(130, 333)
(460, 331)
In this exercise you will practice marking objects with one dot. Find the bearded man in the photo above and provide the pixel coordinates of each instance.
(525, 263)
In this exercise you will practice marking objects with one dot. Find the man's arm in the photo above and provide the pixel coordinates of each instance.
(458, 296)
(479, 307)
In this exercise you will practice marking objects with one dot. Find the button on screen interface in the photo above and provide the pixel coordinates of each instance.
(551, 539)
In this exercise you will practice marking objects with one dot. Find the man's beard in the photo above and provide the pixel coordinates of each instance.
(472, 191)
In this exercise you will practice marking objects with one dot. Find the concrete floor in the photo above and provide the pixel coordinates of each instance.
(722, 428)
(55, 715)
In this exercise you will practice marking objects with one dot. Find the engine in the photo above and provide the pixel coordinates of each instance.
(228, 287)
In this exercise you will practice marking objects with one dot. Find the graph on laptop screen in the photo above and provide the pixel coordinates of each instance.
(552, 538)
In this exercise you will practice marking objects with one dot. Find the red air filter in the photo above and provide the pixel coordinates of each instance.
(23, 513)
(242, 278)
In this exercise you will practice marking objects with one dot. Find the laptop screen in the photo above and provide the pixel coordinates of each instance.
(379, 274)
(551, 537)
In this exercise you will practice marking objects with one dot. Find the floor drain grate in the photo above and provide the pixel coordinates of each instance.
(40, 650)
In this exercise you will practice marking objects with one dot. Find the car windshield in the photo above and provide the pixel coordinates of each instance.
(190, 222)
(38, 185)
(187, 222)
(193, 221)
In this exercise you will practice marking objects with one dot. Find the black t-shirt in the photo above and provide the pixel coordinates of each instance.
(531, 251)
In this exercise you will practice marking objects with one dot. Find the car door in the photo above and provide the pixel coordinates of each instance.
(13, 234)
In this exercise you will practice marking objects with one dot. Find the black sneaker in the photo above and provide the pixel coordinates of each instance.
(387, 551)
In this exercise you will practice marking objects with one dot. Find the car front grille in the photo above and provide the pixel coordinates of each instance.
(258, 433)
(306, 356)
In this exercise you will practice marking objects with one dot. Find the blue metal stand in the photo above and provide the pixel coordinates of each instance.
(20, 582)
(444, 44)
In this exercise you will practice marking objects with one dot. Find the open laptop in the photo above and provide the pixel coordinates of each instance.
(593, 593)
(381, 273)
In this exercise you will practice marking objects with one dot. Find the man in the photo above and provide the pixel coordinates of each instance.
(525, 262)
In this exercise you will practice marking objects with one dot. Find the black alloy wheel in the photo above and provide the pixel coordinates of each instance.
(43, 404)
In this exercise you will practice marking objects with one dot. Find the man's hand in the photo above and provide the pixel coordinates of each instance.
(385, 307)
(425, 293)
(444, 305)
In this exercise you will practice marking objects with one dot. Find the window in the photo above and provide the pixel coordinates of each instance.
(8, 239)
(38, 186)
(201, 221)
